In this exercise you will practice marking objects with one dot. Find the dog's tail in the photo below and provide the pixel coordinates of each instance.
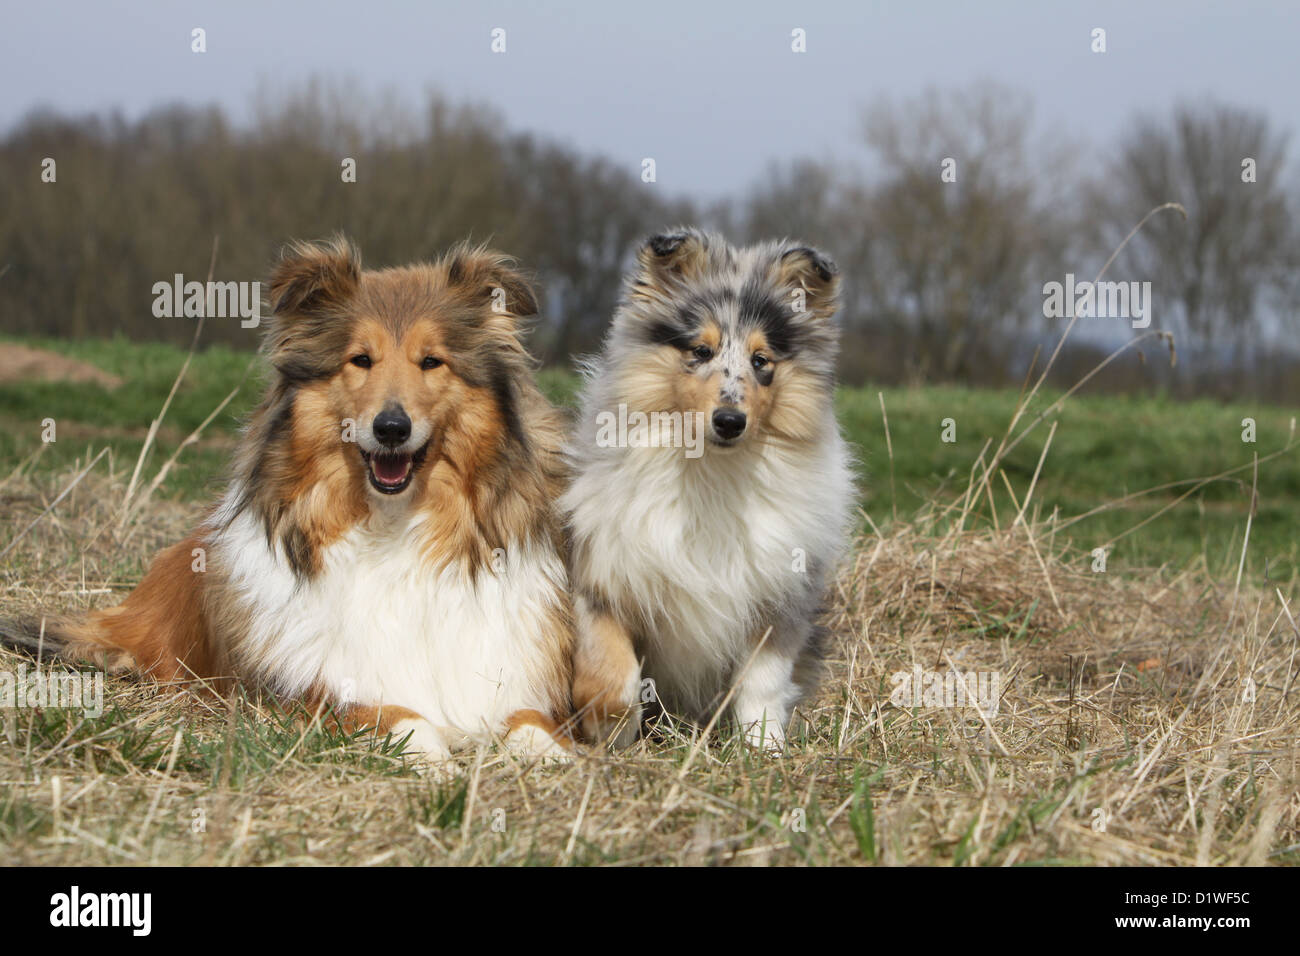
(70, 640)
(160, 629)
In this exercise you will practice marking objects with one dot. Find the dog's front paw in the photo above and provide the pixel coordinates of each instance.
(533, 734)
(765, 735)
(533, 741)
(618, 730)
(426, 747)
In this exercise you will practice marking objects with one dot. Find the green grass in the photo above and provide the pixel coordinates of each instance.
(92, 415)
(1096, 669)
(1104, 448)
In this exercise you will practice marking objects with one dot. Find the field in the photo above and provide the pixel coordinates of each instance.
(1145, 713)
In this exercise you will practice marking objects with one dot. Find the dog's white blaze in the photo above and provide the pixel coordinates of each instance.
(376, 626)
(703, 547)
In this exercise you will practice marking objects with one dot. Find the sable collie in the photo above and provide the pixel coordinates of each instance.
(387, 545)
(703, 568)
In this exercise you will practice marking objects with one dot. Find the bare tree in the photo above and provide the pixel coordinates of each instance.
(137, 202)
(962, 235)
(1234, 253)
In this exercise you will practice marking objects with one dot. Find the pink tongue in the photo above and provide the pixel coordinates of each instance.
(390, 469)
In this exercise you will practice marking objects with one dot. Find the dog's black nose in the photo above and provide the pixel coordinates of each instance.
(728, 423)
(392, 426)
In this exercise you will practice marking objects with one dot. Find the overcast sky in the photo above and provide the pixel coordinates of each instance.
(711, 90)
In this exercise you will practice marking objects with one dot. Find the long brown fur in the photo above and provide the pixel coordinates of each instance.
(489, 477)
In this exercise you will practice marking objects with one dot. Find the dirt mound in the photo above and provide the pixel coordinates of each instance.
(18, 363)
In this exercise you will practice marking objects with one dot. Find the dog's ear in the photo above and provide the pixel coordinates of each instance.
(311, 286)
(315, 278)
(483, 275)
(672, 257)
(812, 278)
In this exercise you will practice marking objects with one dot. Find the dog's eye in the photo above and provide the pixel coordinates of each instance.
(702, 352)
(760, 362)
(429, 362)
(360, 361)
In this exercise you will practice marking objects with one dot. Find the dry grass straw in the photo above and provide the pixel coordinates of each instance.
(1144, 717)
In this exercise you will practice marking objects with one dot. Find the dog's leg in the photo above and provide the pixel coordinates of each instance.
(768, 691)
(606, 679)
(428, 745)
(533, 734)
(426, 742)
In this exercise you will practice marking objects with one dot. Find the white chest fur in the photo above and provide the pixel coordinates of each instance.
(703, 548)
(377, 626)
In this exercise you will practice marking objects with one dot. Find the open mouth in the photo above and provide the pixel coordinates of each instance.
(391, 472)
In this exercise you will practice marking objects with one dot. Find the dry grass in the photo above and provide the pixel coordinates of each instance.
(1125, 731)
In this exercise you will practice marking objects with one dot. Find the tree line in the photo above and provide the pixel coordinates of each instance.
(947, 226)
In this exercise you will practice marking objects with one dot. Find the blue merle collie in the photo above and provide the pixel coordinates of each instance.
(702, 568)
